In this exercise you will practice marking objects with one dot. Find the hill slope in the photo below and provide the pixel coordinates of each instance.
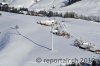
(85, 7)
(19, 51)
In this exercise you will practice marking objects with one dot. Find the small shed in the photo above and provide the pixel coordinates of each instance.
(97, 51)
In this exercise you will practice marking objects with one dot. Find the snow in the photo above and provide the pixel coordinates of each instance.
(19, 51)
(83, 7)
(16, 50)
(20, 3)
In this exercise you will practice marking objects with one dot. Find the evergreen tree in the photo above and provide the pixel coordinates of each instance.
(50, 14)
(94, 63)
(0, 14)
(5, 7)
(43, 13)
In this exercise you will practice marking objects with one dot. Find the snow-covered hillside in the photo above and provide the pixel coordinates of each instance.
(84, 7)
(20, 3)
(29, 41)
(19, 51)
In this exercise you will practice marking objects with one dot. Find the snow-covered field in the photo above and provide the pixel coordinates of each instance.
(16, 50)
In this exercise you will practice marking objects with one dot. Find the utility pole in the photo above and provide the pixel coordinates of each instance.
(52, 37)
